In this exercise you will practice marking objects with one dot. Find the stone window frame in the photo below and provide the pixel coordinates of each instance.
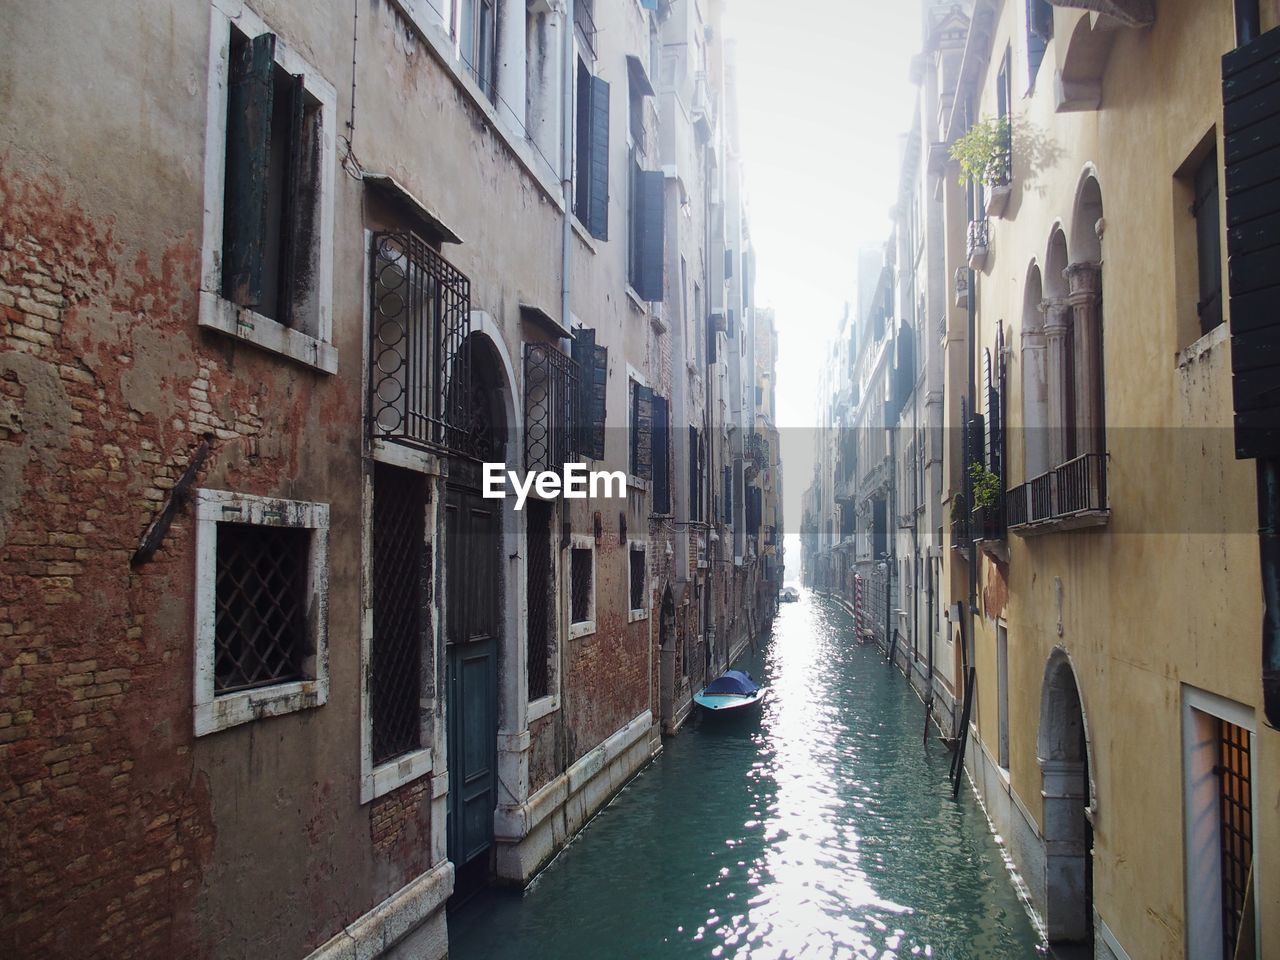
(1203, 904)
(582, 628)
(213, 712)
(215, 311)
(642, 612)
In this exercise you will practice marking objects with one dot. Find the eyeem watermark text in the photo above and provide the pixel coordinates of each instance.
(577, 483)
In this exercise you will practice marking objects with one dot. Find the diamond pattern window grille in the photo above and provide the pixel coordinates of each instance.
(400, 577)
(580, 574)
(261, 606)
(541, 591)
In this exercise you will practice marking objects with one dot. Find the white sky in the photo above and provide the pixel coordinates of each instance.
(824, 99)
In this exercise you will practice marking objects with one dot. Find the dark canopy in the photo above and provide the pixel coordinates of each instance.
(733, 681)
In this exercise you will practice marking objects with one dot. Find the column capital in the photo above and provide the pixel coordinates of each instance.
(1084, 281)
(1057, 316)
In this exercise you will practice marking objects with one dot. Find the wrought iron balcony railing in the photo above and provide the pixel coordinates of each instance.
(978, 242)
(1070, 496)
(419, 374)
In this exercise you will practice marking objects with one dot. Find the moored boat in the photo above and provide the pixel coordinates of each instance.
(732, 690)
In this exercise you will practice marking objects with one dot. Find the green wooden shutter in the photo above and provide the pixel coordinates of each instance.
(593, 373)
(249, 104)
(661, 456)
(642, 432)
(651, 207)
(694, 513)
(293, 203)
(728, 494)
(598, 188)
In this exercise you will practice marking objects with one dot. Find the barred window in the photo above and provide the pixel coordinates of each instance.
(260, 595)
(540, 583)
(582, 586)
(399, 611)
(637, 554)
(261, 602)
(1235, 802)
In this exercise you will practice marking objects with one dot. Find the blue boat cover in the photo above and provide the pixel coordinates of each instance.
(733, 681)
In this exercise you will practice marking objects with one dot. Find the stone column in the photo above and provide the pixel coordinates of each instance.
(1084, 280)
(1060, 417)
(1035, 404)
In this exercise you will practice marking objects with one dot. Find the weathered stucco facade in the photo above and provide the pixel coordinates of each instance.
(164, 795)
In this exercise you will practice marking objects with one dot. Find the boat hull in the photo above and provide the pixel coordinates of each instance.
(728, 702)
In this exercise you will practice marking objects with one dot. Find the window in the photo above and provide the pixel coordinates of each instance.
(697, 463)
(400, 619)
(1208, 242)
(582, 596)
(591, 153)
(540, 583)
(420, 317)
(593, 381)
(261, 600)
(1039, 33)
(269, 162)
(1222, 919)
(641, 432)
(477, 38)
(661, 502)
(646, 229)
(551, 398)
(639, 608)
(585, 25)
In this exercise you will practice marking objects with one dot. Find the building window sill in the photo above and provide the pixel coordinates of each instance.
(582, 234)
(217, 313)
(543, 706)
(635, 615)
(1197, 349)
(637, 303)
(582, 629)
(395, 773)
(233, 709)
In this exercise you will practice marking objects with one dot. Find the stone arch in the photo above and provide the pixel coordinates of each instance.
(1035, 385)
(1054, 278)
(1063, 750)
(1085, 244)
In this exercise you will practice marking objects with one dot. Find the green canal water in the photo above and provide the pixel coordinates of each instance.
(820, 828)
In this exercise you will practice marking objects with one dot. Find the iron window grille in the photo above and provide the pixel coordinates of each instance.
(551, 400)
(581, 573)
(979, 238)
(260, 600)
(1236, 829)
(400, 578)
(540, 580)
(419, 375)
(637, 578)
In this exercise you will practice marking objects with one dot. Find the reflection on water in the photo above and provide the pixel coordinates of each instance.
(819, 828)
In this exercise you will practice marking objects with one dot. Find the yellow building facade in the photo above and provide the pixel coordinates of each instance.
(1110, 600)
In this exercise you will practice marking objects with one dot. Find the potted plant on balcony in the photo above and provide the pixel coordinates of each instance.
(985, 155)
(986, 503)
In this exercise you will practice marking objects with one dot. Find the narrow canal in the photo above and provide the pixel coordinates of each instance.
(820, 828)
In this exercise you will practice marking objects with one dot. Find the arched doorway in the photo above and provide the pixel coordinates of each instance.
(474, 621)
(667, 662)
(1063, 749)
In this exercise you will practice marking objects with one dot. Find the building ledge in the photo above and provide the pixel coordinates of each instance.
(1082, 520)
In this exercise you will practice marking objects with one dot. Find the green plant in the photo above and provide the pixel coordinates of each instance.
(986, 487)
(983, 152)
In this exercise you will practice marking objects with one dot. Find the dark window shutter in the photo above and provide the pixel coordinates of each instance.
(694, 503)
(1208, 243)
(642, 432)
(598, 188)
(593, 373)
(712, 340)
(661, 456)
(294, 202)
(249, 103)
(650, 198)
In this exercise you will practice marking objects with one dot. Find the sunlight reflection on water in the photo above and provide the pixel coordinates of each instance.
(821, 828)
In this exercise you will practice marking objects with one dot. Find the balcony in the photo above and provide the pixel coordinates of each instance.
(979, 241)
(999, 184)
(419, 374)
(1070, 497)
(961, 281)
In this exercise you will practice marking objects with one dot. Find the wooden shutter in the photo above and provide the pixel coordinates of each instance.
(593, 372)
(642, 431)
(695, 474)
(1251, 124)
(294, 201)
(598, 172)
(728, 494)
(712, 340)
(661, 502)
(650, 209)
(249, 104)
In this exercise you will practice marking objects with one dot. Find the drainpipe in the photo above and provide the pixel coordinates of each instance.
(566, 249)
